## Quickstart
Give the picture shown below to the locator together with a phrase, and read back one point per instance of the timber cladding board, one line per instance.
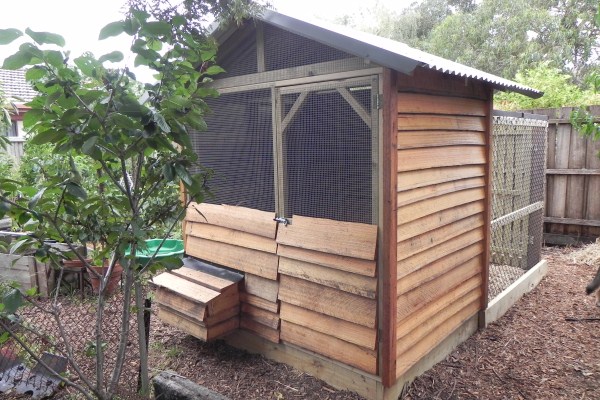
(434, 157)
(424, 177)
(195, 328)
(259, 329)
(414, 103)
(430, 222)
(185, 288)
(419, 243)
(416, 139)
(239, 258)
(427, 122)
(261, 287)
(342, 263)
(342, 280)
(328, 236)
(237, 218)
(210, 281)
(412, 196)
(439, 267)
(424, 346)
(343, 330)
(230, 236)
(259, 302)
(329, 301)
(429, 206)
(420, 260)
(260, 316)
(429, 291)
(424, 80)
(329, 346)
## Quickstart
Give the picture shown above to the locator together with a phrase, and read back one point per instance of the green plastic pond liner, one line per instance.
(170, 247)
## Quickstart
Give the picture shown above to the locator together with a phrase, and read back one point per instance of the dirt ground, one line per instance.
(546, 347)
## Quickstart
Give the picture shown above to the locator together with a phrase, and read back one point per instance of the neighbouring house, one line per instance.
(352, 193)
(18, 91)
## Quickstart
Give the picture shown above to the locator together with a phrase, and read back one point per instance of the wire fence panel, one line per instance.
(518, 184)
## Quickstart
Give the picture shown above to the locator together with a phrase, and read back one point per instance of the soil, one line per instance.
(543, 348)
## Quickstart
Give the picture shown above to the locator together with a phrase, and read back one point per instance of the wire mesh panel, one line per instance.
(518, 171)
(328, 151)
(238, 147)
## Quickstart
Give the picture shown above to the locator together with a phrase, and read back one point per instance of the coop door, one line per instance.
(326, 150)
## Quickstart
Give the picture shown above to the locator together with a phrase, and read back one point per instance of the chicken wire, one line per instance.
(518, 183)
(61, 331)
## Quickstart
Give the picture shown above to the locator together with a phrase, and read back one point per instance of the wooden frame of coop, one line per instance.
(368, 274)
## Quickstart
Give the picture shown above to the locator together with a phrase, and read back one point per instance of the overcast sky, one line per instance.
(79, 21)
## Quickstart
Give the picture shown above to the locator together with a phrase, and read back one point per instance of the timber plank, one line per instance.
(419, 350)
(434, 157)
(259, 329)
(428, 292)
(338, 328)
(557, 198)
(221, 316)
(238, 218)
(202, 278)
(423, 122)
(169, 298)
(418, 261)
(195, 328)
(261, 316)
(261, 287)
(185, 288)
(328, 236)
(332, 302)
(425, 80)
(431, 176)
(434, 237)
(439, 267)
(259, 302)
(412, 196)
(348, 353)
(440, 218)
(347, 282)
(429, 206)
(231, 236)
(409, 324)
(414, 103)
(342, 263)
(406, 342)
(416, 139)
(239, 258)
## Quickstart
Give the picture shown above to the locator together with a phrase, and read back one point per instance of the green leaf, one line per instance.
(32, 117)
(9, 35)
(34, 200)
(45, 37)
(183, 174)
(76, 190)
(171, 263)
(214, 70)
(157, 28)
(18, 60)
(161, 122)
(111, 29)
(87, 65)
(113, 56)
(46, 136)
(36, 72)
(54, 58)
(12, 300)
(89, 144)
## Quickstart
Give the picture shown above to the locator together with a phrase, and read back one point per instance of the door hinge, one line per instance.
(378, 101)
(282, 220)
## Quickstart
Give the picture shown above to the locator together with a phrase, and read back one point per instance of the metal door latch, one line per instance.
(282, 220)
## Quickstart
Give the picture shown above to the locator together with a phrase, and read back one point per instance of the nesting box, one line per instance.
(351, 189)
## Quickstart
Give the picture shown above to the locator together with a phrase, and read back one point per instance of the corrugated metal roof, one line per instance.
(15, 87)
(386, 52)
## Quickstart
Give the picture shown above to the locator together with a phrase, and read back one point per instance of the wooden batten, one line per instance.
(329, 346)
(342, 263)
(332, 237)
(336, 303)
(237, 218)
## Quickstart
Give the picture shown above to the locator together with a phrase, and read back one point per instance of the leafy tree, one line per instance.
(558, 87)
(137, 146)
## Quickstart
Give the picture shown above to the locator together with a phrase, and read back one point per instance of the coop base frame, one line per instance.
(342, 376)
(505, 300)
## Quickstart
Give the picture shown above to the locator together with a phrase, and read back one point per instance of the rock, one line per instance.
(170, 386)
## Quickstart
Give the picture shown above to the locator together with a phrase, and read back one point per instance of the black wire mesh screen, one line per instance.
(518, 178)
(237, 55)
(328, 152)
(238, 147)
(284, 49)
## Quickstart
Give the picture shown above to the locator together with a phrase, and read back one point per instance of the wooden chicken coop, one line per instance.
(352, 193)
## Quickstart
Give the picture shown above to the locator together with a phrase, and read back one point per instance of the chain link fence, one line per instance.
(518, 184)
(60, 331)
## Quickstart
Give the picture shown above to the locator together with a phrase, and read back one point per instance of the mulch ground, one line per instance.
(546, 347)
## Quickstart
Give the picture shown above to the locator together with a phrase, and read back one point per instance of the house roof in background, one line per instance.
(386, 52)
(14, 86)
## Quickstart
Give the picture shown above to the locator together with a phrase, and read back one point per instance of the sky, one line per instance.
(80, 21)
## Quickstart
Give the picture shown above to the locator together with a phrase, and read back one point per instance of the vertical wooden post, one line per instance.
(388, 224)
(487, 214)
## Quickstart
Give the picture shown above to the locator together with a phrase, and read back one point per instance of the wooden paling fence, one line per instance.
(573, 181)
